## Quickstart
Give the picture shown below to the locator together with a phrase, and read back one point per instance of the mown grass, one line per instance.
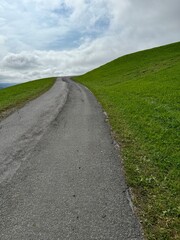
(140, 93)
(18, 95)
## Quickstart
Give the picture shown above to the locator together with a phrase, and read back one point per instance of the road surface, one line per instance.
(68, 182)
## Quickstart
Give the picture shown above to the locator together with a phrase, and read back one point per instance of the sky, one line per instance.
(42, 38)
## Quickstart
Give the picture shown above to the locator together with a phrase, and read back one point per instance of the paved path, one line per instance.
(20, 132)
(71, 185)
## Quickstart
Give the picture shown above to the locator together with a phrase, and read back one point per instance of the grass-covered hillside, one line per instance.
(16, 96)
(141, 94)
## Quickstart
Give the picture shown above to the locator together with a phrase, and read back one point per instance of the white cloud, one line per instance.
(41, 38)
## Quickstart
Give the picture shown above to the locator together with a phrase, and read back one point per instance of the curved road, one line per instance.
(70, 184)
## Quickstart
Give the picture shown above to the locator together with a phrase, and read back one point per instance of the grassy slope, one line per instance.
(18, 95)
(140, 93)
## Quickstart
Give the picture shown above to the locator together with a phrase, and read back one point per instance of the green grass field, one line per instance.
(141, 94)
(18, 95)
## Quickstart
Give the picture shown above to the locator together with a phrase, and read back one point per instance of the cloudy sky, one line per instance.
(40, 38)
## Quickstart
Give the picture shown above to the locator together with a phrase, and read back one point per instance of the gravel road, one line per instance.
(60, 174)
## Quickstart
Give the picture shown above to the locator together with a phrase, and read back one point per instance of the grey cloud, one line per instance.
(21, 61)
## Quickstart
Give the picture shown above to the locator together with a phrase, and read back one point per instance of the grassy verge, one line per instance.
(140, 93)
(16, 96)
